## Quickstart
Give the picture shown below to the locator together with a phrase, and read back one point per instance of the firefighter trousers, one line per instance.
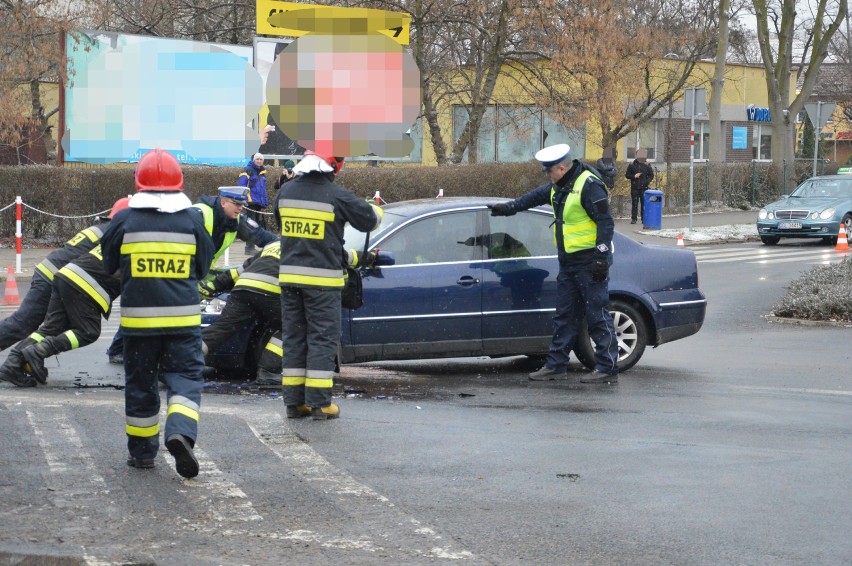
(242, 307)
(309, 340)
(30, 313)
(177, 362)
(73, 320)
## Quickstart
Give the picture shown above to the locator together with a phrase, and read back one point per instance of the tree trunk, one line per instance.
(717, 84)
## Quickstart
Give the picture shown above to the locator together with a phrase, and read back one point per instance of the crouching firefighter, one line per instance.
(256, 296)
(82, 292)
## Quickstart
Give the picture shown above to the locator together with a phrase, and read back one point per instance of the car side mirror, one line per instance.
(384, 258)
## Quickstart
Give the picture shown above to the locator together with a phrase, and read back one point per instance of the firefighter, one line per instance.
(312, 212)
(256, 296)
(224, 222)
(82, 291)
(163, 250)
(33, 309)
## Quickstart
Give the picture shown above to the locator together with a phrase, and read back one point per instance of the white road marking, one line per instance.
(274, 432)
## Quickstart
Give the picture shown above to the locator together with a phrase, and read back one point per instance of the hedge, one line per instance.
(62, 192)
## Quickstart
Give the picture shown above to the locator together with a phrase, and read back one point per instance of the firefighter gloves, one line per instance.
(207, 289)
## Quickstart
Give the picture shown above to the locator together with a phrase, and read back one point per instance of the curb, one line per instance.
(807, 322)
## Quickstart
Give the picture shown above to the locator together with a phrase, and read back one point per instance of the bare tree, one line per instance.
(620, 62)
(199, 20)
(776, 27)
(717, 84)
(31, 56)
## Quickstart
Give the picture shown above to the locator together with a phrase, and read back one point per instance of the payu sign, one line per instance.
(755, 114)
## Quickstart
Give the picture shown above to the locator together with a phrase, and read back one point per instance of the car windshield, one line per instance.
(827, 188)
(353, 239)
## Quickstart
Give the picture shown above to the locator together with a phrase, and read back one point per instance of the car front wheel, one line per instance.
(631, 331)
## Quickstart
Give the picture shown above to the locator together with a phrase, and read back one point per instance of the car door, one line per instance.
(518, 283)
(427, 304)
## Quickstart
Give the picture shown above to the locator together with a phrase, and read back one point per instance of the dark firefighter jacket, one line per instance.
(83, 241)
(162, 257)
(88, 275)
(312, 212)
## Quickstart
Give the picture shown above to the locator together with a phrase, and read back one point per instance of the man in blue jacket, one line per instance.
(254, 177)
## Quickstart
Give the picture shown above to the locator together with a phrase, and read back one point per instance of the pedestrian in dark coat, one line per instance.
(640, 175)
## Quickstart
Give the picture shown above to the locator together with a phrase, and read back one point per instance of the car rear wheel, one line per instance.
(770, 240)
(632, 333)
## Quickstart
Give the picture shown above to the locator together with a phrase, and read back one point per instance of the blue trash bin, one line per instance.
(652, 216)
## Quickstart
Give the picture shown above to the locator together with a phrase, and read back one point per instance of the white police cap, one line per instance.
(553, 154)
(239, 194)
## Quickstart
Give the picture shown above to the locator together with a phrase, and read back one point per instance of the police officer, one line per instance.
(312, 212)
(224, 223)
(33, 309)
(82, 291)
(162, 248)
(256, 296)
(582, 233)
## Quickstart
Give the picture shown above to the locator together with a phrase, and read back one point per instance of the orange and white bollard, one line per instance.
(680, 243)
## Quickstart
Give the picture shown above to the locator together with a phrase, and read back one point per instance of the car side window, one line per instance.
(527, 234)
(437, 239)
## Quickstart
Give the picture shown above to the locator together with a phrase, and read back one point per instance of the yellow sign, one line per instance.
(289, 19)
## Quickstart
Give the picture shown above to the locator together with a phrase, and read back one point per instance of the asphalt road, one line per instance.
(731, 447)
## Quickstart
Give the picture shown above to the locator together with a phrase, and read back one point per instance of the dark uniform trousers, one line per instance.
(309, 340)
(30, 313)
(176, 360)
(576, 293)
(73, 320)
(243, 306)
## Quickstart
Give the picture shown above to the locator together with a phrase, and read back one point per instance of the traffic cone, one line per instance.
(842, 242)
(680, 241)
(10, 295)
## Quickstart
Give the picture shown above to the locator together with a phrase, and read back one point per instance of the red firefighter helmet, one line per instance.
(334, 162)
(158, 170)
(119, 205)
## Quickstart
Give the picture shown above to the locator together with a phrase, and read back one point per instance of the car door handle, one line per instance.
(467, 281)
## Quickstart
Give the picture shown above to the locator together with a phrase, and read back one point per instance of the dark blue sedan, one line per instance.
(453, 281)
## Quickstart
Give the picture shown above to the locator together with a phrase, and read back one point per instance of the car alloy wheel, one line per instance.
(632, 333)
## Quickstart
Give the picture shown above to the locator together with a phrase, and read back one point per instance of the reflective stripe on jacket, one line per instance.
(312, 212)
(162, 257)
(83, 241)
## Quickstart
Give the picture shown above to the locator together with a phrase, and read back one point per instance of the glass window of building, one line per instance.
(645, 137)
(513, 133)
(761, 142)
(702, 141)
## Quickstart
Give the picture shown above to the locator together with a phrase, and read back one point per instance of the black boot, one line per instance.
(35, 355)
(13, 370)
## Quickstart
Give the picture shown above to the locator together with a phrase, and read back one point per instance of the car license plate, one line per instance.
(790, 225)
